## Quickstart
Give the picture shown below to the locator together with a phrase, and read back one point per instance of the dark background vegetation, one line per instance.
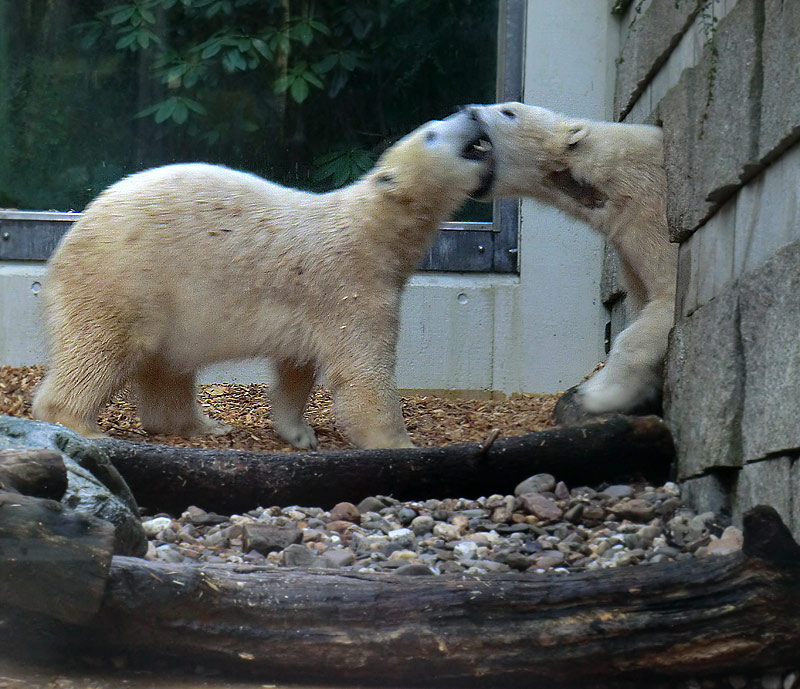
(304, 92)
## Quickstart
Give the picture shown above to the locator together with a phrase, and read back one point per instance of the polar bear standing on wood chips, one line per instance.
(184, 265)
(610, 175)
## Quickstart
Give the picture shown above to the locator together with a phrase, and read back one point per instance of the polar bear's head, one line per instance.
(444, 160)
(538, 152)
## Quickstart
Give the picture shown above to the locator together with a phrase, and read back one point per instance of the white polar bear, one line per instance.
(184, 265)
(610, 175)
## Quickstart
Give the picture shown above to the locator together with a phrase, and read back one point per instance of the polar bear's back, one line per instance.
(183, 248)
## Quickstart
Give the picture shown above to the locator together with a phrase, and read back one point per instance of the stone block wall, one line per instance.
(722, 78)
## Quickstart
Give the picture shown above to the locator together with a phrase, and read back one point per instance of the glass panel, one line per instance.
(303, 92)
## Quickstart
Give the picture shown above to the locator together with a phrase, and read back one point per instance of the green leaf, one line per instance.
(312, 79)
(327, 63)
(147, 15)
(122, 15)
(283, 83)
(303, 33)
(348, 60)
(262, 48)
(165, 110)
(299, 90)
(194, 106)
(211, 49)
(180, 112)
(127, 41)
(319, 26)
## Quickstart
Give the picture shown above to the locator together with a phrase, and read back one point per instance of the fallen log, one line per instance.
(52, 560)
(169, 479)
(39, 473)
(630, 627)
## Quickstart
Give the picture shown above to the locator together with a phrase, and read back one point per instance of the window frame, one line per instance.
(483, 247)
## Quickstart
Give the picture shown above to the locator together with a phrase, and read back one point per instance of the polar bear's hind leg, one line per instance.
(166, 399)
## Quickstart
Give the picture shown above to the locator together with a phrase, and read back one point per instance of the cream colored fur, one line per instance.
(611, 176)
(180, 266)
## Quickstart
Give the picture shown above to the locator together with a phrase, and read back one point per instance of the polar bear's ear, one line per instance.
(576, 133)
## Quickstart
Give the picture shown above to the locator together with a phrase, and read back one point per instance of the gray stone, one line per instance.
(94, 486)
(765, 483)
(708, 153)
(268, 538)
(414, 570)
(422, 524)
(336, 558)
(345, 511)
(651, 36)
(541, 507)
(709, 493)
(704, 385)
(780, 111)
(618, 491)
(297, 555)
(770, 311)
(539, 483)
(370, 504)
(635, 510)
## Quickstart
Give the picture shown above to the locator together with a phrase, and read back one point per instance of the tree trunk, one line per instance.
(52, 560)
(631, 627)
(169, 479)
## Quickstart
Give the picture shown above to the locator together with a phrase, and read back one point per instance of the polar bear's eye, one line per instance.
(430, 137)
(510, 114)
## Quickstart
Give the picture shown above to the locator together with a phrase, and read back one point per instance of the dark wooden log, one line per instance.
(169, 479)
(632, 627)
(39, 473)
(52, 560)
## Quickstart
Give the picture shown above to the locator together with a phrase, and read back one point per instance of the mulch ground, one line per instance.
(431, 420)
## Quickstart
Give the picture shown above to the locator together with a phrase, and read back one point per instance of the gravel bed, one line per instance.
(544, 526)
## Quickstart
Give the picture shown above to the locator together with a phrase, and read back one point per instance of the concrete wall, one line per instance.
(541, 331)
(722, 77)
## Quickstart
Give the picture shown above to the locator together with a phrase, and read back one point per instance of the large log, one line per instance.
(169, 479)
(52, 560)
(641, 626)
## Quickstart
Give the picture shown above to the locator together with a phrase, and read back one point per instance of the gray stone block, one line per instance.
(780, 107)
(710, 493)
(769, 304)
(711, 122)
(703, 387)
(647, 43)
(794, 479)
(765, 483)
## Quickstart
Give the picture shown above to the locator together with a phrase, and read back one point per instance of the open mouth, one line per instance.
(480, 148)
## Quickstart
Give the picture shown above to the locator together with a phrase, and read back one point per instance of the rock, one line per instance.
(737, 681)
(266, 538)
(154, 527)
(370, 504)
(618, 492)
(168, 553)
(538, 483)
(406, 515)
(446, 531)
(297, 555)
(791, 680)
(574, 513)
(547, 559)
(518, 561)
(345, 511)
(94, 486)
(414, 570)
(561, 491)
(465, 550)
(541, 507)
(771, 680)
(422, 524)
(336, 558)
(731, 541)
(636, 510)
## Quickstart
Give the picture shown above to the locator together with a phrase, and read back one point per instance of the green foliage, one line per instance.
(305, 92)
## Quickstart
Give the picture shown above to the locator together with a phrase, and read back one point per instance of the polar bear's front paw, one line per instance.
(300, 435)
(586, 402)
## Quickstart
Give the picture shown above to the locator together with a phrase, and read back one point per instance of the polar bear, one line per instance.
(180, 266)
(611, 176)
